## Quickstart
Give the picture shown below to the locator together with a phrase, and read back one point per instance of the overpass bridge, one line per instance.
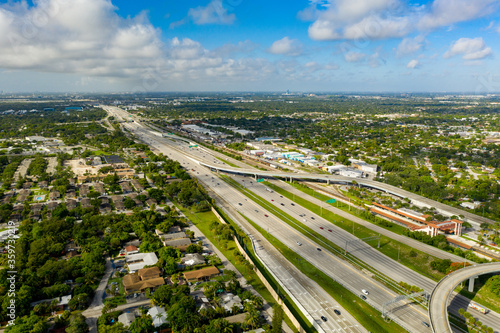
(416, 199)
(438, 303)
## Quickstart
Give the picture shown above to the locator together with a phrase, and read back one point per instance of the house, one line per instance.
(84, 191)
(52, 205)
(43, 184)
(203, 274)
(228, 301)
(133, 283)
(192, 259)
(86, 203)
(126, 318)
(27, 185)
(119, 206)
(172, 236)
(23, 195)
(98, 187)
(139, 260)
(105, 208)
(71, 194)
(131, 249)
(150, 202)
(71, 204)
(149, 273)
(62, 302)
(137, 185)
(159, 315)
(54, 195)
(126, 188)
(181, 243)
(15, 217)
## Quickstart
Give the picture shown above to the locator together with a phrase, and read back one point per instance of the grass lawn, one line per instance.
(228, 248)
(412, 258)
(366, 315)
(482, 294)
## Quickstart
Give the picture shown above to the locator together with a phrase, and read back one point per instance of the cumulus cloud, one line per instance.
(213, 13)
(449, 12)
(413, 64)
(286, 46)
(409, 46)
(354, 56)
(383, 19)
(469, 49)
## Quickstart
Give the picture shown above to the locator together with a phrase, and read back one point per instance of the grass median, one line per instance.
(366, 315)
(408, 256)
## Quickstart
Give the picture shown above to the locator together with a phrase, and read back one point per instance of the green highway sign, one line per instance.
(330, 201)
(260, 180)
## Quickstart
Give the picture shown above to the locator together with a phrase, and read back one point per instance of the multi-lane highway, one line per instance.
(410, 316)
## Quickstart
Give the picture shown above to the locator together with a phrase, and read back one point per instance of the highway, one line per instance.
(438, 305)
(410, 316)
(311, 296)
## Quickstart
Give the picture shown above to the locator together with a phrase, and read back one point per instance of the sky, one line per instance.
(250, 45)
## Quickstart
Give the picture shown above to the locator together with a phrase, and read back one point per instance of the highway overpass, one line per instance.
(438, 303)
(334, 179)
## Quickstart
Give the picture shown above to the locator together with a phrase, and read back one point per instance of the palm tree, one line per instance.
(252, 319)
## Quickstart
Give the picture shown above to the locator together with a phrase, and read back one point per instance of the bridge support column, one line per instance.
(328, 182)
(471, 283)
(255, 176)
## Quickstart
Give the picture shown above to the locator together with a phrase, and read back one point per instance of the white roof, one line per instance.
(159, 315)
(126, 318)
(139, 260)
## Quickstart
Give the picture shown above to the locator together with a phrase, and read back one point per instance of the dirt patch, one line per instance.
(23, 168)
(51, 167)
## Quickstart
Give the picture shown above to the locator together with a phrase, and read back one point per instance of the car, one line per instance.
(321, 228)
(363, 297)
(256, 211)
(282, 204)
(318, 249)
(299, 243)
(272, 199)
(337, 312)
(266, 215)
(281, 196)
(239, 203)
(364, 291)
(330, 230)
(323, 318)
(426, 324)
(312, 217)
(292, 204)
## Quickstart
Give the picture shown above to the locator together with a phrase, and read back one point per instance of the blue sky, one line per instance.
(243, 45)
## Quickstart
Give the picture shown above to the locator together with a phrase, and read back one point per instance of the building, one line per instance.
(86, 203)
(350, 172)
(159, 315)
(228, 301)
(181, 243)
(174, 235)
(192, 259)
(137, 185)
(139, 260)
(126, 318)
(126, 188)
(132, 283)
(54, 195)
(203, 274)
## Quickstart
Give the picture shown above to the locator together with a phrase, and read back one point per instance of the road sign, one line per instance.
(260, 180)
(330, 201)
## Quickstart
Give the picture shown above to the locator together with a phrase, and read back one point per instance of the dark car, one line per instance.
(318, 249)
(337, 312)
(282, 204)
(323, 318)
(426, 324)
(312, 217)
(292, 204)
(330, 230)
(362, 297)
(239, 203)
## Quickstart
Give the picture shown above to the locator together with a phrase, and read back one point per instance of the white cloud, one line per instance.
(383, 19)
(286, 46)
(469, 48)
(213, 13)
(448, 12)
(409, 46)
(353, 56)
(413, 64)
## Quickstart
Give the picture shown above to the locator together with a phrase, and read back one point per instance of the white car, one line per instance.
(299, 243)
(364, 291)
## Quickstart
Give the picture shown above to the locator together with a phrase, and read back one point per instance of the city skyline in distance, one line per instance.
(238, 45)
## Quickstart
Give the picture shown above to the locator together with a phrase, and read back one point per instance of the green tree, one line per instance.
(77, 324)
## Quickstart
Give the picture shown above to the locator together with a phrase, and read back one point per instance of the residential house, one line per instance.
(52, 205)
(181, 243)
(27, 185)
(134, 284)
(126, 188)
(22, 196)
(54, 195)
(126, 318)
(139, 260)
(150, 202)
(84, 191)
(159, 315)
(62, 302)
(71, 194)
(119, 206)
(131, 249)
(43, 184)
(99, 187)
(172, 236)
(192, 259)
(137, 185)
(71, 204)
(228, 301)
(86, 203)
(203, 274)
